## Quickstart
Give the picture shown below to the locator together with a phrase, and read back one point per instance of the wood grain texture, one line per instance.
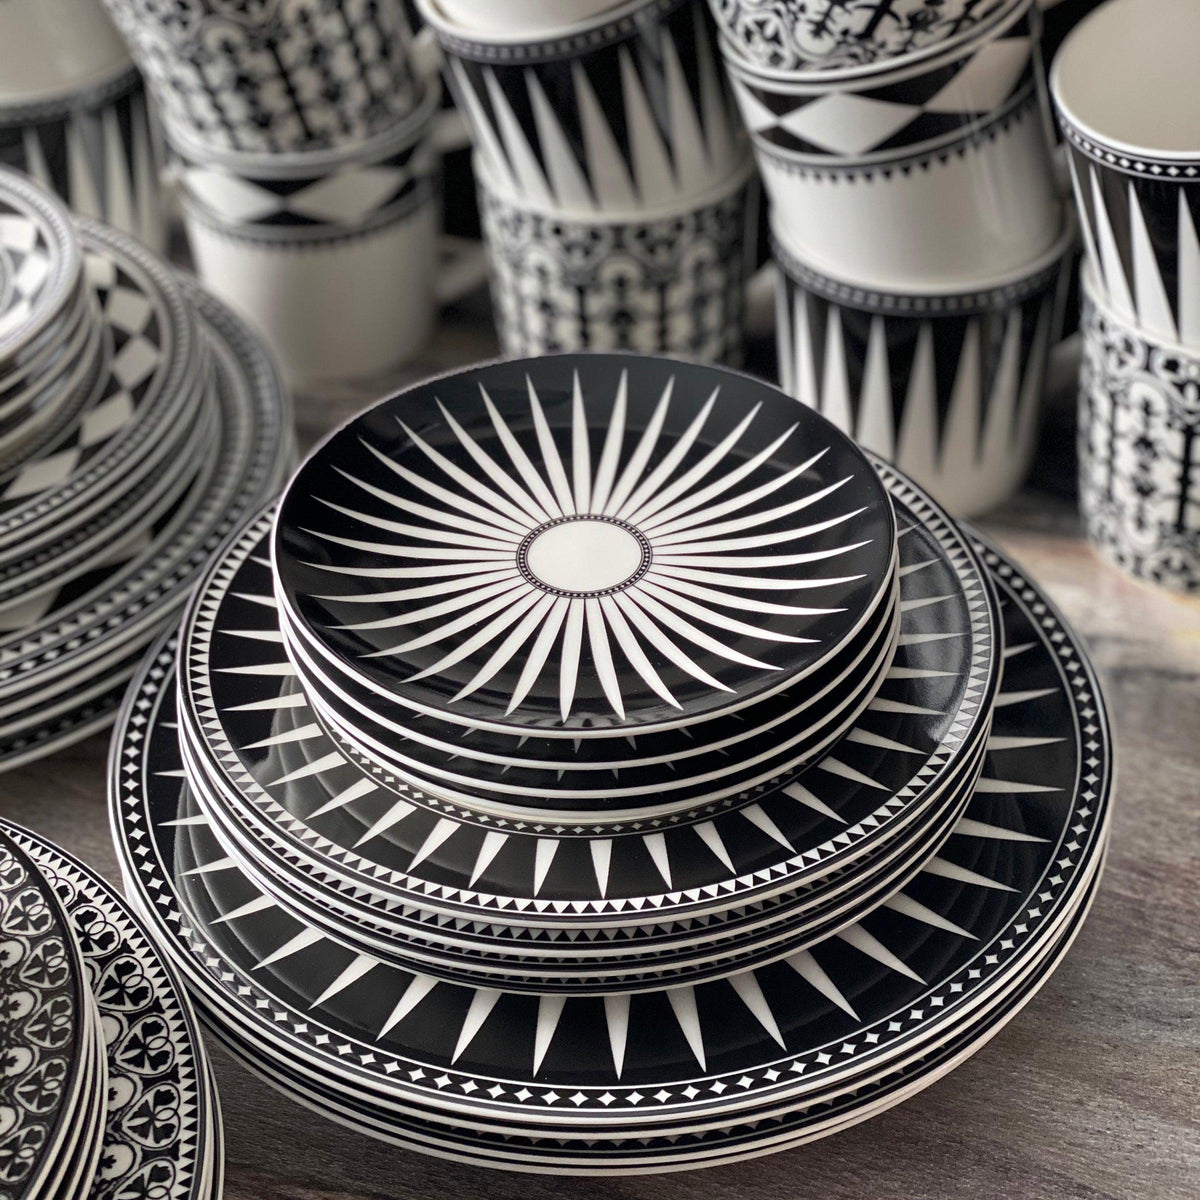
(1092, 1092)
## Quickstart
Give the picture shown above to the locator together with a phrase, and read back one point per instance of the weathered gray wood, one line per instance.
(1093, 1091)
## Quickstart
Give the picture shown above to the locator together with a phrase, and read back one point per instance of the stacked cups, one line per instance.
(305, 132)
(616, 189)
(73, 114)
(1134, 154)
(916, 224)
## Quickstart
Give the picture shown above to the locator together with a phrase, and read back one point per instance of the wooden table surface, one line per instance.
(1093, 1091)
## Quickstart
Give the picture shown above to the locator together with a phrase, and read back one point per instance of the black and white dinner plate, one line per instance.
(1016, 867)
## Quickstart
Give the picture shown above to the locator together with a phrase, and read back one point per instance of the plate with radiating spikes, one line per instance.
(901, 980)
(375, 847)
(583, 546)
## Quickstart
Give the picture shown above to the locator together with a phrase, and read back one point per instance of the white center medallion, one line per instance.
(584, 557)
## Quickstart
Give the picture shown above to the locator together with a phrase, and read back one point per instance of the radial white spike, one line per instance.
(988, 785)
(441, 830)
(998, 743)
(750, 992)
(908, 907)
(683, 1004)
(616, 1017)
(218, 864)
(358, 789)
(257, 905)
(968, 827)
(709, 835)
(601, 849)
(286, 700)
(656, 845)
(302, 734)
(798, 791)
(757, 816)
(543, 856)
(864, 737)
(355, 970)
(581, 455)
(1008, 699)
(493, 843)
(482, 1003)
(294, 945)
(550, 455)
(549, 1010)
(393, 816)
(418, 988)
(949, 870)
(835, 766)
(606, 469)
(868, 944)
(814, 974)
(637, 461)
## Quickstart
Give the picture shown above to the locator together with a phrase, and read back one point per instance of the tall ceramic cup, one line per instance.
(1126, 85)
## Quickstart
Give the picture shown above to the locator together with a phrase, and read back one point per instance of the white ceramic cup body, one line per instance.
(330, 310)
(831, 35)
(629, 111)
(947, 385)
(1134, 155)
(669, 283)
(935, 173)
(331, 255)
(529, 17)
(1139, 441)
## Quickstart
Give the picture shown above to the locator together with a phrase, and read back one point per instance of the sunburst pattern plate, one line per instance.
(583, 545)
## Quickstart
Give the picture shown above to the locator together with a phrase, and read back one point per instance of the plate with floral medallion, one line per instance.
(160, 1132)
(1017, 864)
(583, 545)
(46, 1028)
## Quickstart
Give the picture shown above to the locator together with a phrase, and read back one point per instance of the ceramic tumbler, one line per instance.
(1127, 92)
(944, 383)
(629, 111)
(277, 75)
(531, 17)
(1139, 446)
(935, 174)
(98, 148)
(827, 35)
(669, 282)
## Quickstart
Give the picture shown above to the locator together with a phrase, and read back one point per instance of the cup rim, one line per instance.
(410, 129)
(869, 74)
(1078, 125)
(433, 16)
(1057, 251)
(742, 174)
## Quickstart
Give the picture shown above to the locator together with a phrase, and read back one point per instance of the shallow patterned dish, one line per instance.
(583, 545)
(160, 1130)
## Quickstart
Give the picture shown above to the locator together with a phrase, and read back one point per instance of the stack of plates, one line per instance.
(106, 1089)
(476, 955)
(148, 423)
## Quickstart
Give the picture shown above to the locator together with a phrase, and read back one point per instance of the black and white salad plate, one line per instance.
(39, 267)
(162, 1137)
(582, 546)
(153, 379)
(67, 653)
(901, 982)
(337, 838)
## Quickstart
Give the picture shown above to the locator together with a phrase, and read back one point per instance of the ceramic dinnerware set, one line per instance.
(305, 132)
(917, 228)
(73, 114)
(616, 188)
(597, 763)
(139, 423)
(1136, 174)
(106, 1090)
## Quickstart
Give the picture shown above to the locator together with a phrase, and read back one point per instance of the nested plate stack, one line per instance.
(106, 1089)
(598, 763)
(139, 423)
